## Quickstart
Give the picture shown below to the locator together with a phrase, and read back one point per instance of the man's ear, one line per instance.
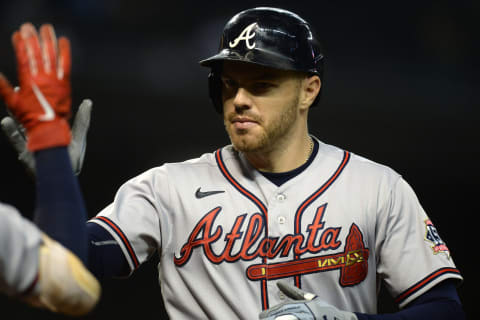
(310, 89)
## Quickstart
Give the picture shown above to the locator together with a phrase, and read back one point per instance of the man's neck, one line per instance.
(286, 155)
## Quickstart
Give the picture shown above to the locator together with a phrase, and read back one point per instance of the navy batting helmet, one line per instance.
(269, 37)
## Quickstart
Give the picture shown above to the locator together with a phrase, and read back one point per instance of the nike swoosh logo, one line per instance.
(202, 194)
(49, 113)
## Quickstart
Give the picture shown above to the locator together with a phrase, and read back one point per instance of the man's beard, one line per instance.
(269, 136)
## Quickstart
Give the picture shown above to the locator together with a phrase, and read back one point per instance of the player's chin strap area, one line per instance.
(64, 284)
(306, 306)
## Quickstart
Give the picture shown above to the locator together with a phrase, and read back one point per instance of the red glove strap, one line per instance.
(49, 134)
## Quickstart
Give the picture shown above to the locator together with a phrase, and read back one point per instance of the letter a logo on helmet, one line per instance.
(246, 35)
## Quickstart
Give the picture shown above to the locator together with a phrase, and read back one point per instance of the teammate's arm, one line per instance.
(19, 243)
(42, 106)
(33, 266)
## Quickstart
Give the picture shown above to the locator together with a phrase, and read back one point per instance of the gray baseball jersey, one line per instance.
(225, 234)
(19, 243)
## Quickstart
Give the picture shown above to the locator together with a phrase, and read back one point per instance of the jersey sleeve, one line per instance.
(411, 256)
(20, 241)
(137, 217)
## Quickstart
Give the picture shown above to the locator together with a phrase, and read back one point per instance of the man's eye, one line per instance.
(262, 86)
(227, 83)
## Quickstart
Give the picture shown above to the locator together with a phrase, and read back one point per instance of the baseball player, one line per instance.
(45, 266)
(277, 225)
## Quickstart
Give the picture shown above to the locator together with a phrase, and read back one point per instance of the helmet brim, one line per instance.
(262, 57)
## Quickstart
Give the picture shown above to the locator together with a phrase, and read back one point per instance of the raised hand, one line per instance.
(42, 102)
(77, 148)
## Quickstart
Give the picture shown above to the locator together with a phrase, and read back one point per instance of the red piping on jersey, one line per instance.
(314, 196)
(422, 283)
(258, 203)
(31, 286)
(244, 191)
(124, 239)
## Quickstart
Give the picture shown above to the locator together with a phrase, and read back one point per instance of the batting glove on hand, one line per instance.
(42, 102)
(76, 149)
(306, 306)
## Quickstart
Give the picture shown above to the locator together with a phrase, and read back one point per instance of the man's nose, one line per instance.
(242, 100)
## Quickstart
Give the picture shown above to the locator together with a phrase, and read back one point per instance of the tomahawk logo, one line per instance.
(246, 35)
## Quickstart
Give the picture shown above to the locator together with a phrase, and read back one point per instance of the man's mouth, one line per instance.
(243, 123)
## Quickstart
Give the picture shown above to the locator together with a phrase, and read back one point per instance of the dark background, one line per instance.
(400, 88)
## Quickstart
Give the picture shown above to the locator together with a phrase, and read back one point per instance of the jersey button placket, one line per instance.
(281, 197)
(277, 228)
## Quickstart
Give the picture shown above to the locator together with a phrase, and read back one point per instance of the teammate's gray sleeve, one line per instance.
(411, 257)
(19, 243)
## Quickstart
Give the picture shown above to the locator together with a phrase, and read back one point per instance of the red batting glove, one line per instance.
(42, 103)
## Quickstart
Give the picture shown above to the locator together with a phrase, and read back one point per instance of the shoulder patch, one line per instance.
(432, 236)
